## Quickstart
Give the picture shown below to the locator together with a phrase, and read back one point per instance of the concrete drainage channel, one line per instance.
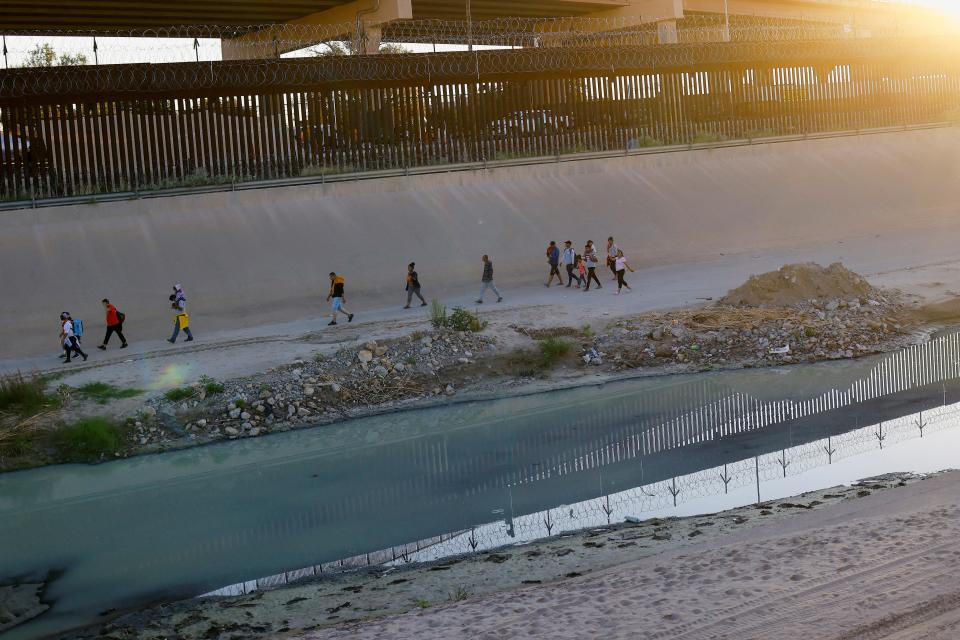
(451, 168)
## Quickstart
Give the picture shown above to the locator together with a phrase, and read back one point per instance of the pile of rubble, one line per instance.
(371, 376)
(754, 333)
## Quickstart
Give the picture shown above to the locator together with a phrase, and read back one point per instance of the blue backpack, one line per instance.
(78, 328)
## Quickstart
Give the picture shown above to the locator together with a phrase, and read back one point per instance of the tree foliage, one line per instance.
(44, 55)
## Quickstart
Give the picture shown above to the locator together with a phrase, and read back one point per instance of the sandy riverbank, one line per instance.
(880, 566)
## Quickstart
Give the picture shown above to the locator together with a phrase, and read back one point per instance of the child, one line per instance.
(581, 269)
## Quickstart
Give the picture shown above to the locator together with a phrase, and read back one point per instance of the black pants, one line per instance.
(114, 329)
(73, 346)
(571, 277)
(555, 271)
(592, 275)
(621, 283)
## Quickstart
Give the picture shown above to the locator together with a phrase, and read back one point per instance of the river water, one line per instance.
(180, 524)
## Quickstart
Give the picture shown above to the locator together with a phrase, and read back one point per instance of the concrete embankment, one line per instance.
(261, 256)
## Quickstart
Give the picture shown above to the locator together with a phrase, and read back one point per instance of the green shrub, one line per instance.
(211, 386)
(438, 314)
(587, 331)
(24, 396)
(89, 440)
(178, 394)
(553, 349)
(102, 393)
(463, 320)
(810, 332)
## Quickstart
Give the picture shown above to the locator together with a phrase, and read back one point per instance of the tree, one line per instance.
(44, 55)
(335, 48)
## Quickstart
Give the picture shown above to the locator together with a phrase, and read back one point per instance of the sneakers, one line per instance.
(616, 293)
(84, 357)
(423, 304)
(124, 345)
(189, 340)
(500, 299)
(479, 301)
(407, 307)
(350, 318)
(171, 341)
(547, 285)
(102, 347)
(331, 323)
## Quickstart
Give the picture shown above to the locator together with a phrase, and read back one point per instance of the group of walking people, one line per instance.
(582, 267)
(71, 330)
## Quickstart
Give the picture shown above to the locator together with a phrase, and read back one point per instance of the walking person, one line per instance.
(486, 281)
(581, 270)
(612, 250)
(114, 325)
(337, 284)
(413, 286)
(68, 338)
(590, 257)
(181, 320)
(570, 263)
(553, 259)
(621, 266)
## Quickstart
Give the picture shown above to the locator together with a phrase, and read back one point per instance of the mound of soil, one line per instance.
(796, 283)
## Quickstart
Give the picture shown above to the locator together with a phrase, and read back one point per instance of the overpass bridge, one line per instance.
(372, 21)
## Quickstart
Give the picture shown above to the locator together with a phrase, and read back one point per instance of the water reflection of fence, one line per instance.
(712, 413)
(77, 131)
(660, 497)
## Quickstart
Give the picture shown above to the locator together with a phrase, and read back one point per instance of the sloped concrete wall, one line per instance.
(257, 256)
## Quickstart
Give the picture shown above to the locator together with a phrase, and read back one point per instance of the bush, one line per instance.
(463, 320)
(23, 396)
(553, 349)
(459, 320)
(102, 393)
(89, 440)
(176, 395)
(438, 314)
(703, 137)
(211, 386)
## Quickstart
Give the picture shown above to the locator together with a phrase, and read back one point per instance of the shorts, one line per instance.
(337, 304)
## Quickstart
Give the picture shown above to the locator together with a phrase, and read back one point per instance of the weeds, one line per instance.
(459, 595)
(423, 604)
(211, 386)
(438, 314)
(528, 364)
(411, 360)
(587, 331)
(90, 440)
(553, 349)
(459, 320)
(102, 393)
(24, 396)
(178, 394)
(703, 137)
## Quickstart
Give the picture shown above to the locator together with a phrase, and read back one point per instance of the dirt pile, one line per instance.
(796, 283)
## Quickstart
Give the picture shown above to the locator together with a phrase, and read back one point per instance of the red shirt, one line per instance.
(112, 318)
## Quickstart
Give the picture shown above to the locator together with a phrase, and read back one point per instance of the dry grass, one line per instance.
(722, 317)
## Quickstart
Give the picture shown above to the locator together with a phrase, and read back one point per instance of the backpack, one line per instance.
(121, 316)
(77, 327)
